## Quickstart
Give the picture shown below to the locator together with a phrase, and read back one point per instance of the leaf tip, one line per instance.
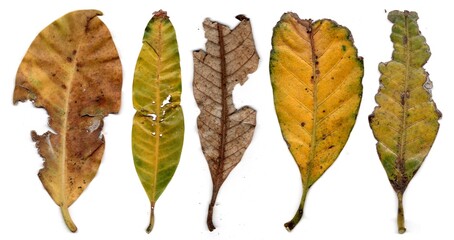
(161, 14)
(242, 17)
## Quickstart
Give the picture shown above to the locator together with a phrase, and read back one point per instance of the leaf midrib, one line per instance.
(315, 110)
(64, 130)
(224, 113)
(400, 161)
(157, 111)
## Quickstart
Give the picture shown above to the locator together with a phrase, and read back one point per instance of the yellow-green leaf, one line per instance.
(158, 127)
(316, 76)
(72, 70)
(405, 122)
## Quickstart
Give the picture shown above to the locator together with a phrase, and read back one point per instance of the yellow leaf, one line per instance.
(316, 77)
(71, 69)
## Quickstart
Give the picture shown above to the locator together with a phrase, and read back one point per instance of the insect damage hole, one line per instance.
(153, 116)
(428, 85)
(166, 101)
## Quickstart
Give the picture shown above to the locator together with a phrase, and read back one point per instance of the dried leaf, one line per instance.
(72, 70)
(405, 122)
(158, 127)
(316, 77)
(225, 132)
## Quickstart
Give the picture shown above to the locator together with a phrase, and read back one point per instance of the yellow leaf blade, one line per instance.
(71, 69)
(316, 77)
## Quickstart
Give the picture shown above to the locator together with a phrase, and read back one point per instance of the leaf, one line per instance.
(405, 122)
(158, 127)
(72, 70)
(316, 77)
(225, 132)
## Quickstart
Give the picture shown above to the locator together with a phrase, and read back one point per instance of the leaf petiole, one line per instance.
(67, 217)
(151, 225)
(299, 214)
(210, 224)
(400, 214)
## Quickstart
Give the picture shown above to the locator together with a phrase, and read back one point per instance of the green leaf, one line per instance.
(316, 77)
(405, 122)
(158, 127)
(71, 69)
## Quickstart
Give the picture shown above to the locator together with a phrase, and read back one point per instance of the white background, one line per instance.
(353, 200)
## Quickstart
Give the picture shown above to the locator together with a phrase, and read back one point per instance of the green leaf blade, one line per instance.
(158, 125)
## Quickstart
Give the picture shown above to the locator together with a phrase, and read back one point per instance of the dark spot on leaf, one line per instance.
(303, 124)
(330, 146)
(405, 40)
(344, 48)
(69, 59)
(63, 86)
(74, 52)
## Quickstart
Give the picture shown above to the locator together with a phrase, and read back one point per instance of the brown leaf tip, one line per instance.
(242, 17)
(161, 14)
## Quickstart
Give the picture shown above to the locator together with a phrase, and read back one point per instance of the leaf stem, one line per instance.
(151, 224)
(210, 224)
(299, 214)
(67, 217)
(400, 214)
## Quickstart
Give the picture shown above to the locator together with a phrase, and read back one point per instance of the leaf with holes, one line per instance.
(225, 132)
(158, 127)
(72, 70)
(405, 122)
(316, 76)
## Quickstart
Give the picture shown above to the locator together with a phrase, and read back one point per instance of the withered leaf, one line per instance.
(71, 69)
(316, 76)
(158, 127)
(405, 122)
(225, 132)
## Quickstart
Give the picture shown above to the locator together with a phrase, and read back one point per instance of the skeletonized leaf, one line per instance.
(405, 122)
(72, 70)
(158, 127)
(316, 77)
(225, 132)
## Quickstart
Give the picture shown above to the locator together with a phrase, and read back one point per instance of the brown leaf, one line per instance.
(71, 69)
(225, 132)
